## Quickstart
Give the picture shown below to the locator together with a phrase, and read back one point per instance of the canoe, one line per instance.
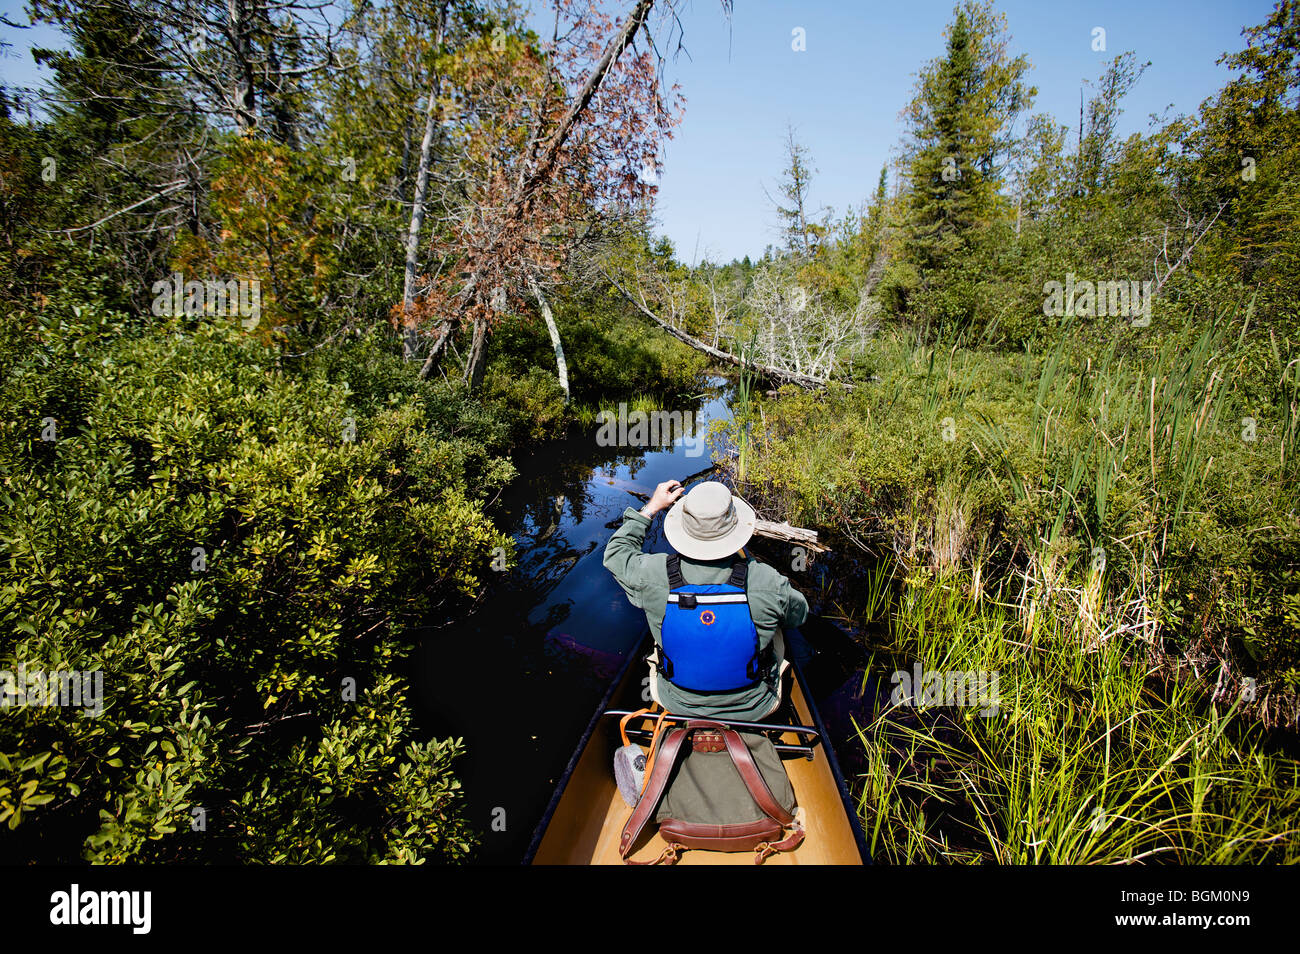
(586, 815)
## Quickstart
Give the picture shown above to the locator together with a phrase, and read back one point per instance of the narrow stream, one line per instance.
(520, 678)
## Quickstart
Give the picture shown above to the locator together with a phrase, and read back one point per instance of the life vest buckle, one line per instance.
(687, 600)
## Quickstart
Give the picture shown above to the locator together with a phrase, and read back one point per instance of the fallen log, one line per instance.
(763, 370)
(798, 536)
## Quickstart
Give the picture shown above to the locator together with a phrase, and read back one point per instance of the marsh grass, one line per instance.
(1091, 758)
(1111, 527)
(1138, 488)
(586, 416)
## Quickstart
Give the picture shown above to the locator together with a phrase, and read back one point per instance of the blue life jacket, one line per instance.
(709, 643)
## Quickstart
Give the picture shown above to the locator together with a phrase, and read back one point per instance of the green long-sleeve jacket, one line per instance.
(773, 604)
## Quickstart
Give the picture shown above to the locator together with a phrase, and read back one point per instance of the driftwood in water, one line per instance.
(798, 536)
(788, 534)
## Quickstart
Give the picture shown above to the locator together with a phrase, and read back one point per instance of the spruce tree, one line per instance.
(960, 132)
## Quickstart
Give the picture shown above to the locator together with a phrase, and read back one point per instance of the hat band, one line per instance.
(698, 529)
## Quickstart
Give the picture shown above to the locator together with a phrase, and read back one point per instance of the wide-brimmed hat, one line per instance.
(709, 523)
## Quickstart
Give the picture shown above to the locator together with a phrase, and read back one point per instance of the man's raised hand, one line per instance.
(665, 496)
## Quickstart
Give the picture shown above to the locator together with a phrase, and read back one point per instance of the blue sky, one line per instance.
(845, 92)
(743, 82)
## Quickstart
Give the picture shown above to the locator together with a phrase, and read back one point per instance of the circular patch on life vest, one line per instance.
(707, 617)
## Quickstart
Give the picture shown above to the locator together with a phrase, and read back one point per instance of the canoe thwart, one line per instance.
(643, 737)
(801, 748)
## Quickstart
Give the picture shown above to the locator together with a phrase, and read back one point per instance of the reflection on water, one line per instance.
(519, 678)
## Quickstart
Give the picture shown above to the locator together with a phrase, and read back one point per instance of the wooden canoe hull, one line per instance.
(586, 816)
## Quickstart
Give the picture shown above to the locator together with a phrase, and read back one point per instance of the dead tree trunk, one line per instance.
(243, 96)
(410, 338)
(523, 196)
(799, 536)
(562, 368)
(477, 355)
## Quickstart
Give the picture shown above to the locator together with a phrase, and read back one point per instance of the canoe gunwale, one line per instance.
(850, 810)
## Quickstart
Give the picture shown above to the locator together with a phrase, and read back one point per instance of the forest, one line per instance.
(287, 288)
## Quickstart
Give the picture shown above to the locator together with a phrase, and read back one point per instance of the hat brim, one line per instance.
(725, 546)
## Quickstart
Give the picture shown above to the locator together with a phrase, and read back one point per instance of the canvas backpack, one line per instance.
(714, 788)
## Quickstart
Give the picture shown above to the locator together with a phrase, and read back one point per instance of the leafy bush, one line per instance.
(237, 547)
(534, 401)
(899, 282)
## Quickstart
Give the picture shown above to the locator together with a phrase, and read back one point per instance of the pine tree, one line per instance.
(802, 227)
(960, 134)
(1239, 162)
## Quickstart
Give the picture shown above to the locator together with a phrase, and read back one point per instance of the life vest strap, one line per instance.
(692, 599)
(675, 580)
(739, 572)
(762, 665)
(665, 666)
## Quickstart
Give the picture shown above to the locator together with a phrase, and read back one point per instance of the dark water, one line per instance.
(519, 679)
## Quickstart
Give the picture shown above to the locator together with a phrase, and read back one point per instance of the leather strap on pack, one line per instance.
(768, 849)
(669, 856)
(656, 782)
(752, 777)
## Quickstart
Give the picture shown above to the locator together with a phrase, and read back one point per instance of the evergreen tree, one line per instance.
(960, 132)
(1237, 164)
(802, 227)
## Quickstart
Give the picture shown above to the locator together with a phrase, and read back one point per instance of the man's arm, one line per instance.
(796, 606)
(623, 556)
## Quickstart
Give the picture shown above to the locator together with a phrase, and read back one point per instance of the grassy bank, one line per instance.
(1093, 754)
(1107, 521)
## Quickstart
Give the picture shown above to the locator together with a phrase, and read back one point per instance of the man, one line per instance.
(716, 615)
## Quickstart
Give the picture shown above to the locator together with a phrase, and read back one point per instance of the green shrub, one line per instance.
(534, 401)
(897, 285)
(238, 547)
